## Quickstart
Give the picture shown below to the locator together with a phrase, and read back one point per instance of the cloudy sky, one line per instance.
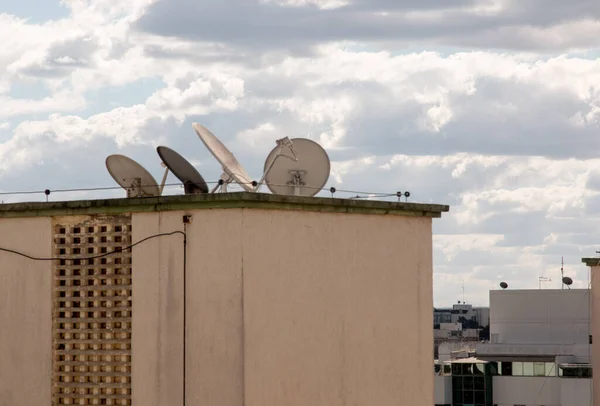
(490, 106)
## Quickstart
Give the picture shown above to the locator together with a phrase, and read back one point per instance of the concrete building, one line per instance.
(539, 353)
(450, 331)
(594, 265)
(460, 323)
(234, 299)
(462, 311)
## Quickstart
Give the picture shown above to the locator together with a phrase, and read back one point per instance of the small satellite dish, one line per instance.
(304, 174)
(503, 285)
(567, 281)
(131, 176)
(232, 170)
(193, 182)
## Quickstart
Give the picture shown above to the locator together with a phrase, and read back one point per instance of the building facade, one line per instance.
(234, 299)
(539, 353)
(594, 266)
(460, 312)
(460, 323)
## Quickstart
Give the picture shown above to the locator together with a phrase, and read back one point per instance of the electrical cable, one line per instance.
(119, 250)
(33, 258)
(47, 192)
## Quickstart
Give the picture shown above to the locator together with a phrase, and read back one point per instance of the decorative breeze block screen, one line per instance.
(92, 312)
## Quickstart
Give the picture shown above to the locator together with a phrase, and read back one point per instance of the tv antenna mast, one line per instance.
(562, 272)
(543, 279)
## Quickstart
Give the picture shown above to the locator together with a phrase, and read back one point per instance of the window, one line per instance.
(575, 371)
(472, 384)
(550, 369)
(517, 369)
(506, 368)
(539, 369)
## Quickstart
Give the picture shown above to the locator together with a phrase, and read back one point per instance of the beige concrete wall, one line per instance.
(285, 308)
(337, 309)
(25, 313)
(157, 316)
(214, 351)
(595, 280)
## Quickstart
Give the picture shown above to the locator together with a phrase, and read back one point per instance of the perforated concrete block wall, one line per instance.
(92, 311)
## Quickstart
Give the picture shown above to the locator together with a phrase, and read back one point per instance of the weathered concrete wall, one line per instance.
(323, 309)
(157, 317)
(595, 279)
(285, 307)
(214, 351)
(25, 313)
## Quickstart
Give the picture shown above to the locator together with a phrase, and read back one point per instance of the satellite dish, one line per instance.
(193, 182)
(304, 174)
(567, 281)
(131, 176)
(503, 285)
(232, 170)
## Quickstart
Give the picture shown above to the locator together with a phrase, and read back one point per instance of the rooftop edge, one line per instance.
(591, 261)
(220, 201)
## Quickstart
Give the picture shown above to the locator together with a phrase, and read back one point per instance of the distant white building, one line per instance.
(539, 354)
(460, 323)
(461, 311)
(449, 331)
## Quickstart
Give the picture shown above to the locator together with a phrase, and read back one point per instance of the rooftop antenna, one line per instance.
(503, 285)
(543, 279)
(232, 169)
(304, 172)
(562, 272)
(567, 281)
(164, 178)
(193, 182)
(463, 291)
(131, 176)
(306, 175)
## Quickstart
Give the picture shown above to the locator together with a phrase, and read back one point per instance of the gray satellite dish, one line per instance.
(503, 285)
(567, 281)
(193, 182)
(304, 174)
(232, 170)
(131, 176)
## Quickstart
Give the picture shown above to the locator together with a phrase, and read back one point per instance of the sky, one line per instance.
(489, 106)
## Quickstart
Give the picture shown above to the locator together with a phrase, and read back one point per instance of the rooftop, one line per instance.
(221, 201)
(591, 261)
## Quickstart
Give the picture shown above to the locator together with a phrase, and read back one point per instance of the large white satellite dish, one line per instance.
(306, 175)
(232, 169)
(132, 176)
(294, 167)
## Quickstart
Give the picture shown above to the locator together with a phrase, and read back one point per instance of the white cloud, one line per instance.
(508, 139)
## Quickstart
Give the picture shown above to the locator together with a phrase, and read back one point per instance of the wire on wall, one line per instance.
(118, 250)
